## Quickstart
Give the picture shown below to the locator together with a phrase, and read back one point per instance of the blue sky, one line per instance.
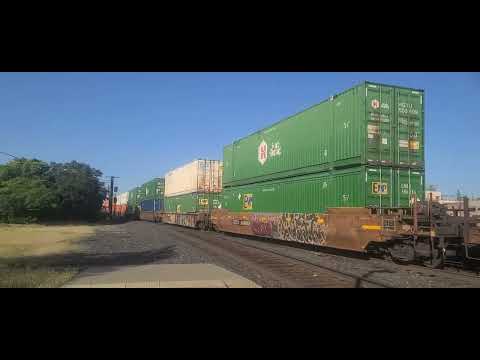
(139, 125)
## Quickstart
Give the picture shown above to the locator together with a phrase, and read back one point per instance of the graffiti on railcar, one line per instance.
(186, 220)
(305, 228)
(262, 225)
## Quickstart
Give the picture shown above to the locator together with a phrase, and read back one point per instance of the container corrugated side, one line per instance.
(147, 205)
(154, 188)
(159, 204)
(132, 197)
(410, 122)
(150, 205)
(363, 186)
(371, 123)
(193, 202)
(196, 176)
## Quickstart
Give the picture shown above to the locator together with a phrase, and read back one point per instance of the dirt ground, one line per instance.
(50, 256)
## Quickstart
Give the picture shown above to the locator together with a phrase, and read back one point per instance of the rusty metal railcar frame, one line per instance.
(425, 232)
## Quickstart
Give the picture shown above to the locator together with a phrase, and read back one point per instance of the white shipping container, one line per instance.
(122, 199)
(197, 176)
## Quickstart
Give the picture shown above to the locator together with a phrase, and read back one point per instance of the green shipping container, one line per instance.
(141, 191)
(362, 186)
(153, 189)
(193, 202)
(370, 124)
(132, 200)
(137, 196)
(131, 197)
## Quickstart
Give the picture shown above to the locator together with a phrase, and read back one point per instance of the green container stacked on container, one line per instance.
(362, 147)
(152, 192)
(153, 189)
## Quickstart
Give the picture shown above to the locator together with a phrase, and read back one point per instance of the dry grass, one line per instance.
(20, 245)
(43, 277)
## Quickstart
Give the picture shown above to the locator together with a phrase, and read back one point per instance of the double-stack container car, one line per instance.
(320, 175)
(192, 191)
(346, 173)
(151, 199)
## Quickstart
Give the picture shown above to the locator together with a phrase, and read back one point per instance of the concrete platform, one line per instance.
(161, 276)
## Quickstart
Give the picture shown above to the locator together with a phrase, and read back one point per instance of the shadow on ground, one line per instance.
(79, 259)
(358, 282)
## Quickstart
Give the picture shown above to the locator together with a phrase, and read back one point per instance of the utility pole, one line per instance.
(110, 198)
(110, 204)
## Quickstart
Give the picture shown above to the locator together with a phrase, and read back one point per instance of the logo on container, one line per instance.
(247, 201)
(275, 150)
(375, 104)
(262, 152)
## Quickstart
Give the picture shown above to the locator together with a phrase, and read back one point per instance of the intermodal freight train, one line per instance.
(347, 173)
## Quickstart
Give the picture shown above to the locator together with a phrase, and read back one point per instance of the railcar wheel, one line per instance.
(201, 225)
(438, 260)
(402, 253)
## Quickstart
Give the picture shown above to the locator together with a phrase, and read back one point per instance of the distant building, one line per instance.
(455, 204)
(452, 203)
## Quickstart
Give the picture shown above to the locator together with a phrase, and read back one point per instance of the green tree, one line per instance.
(78, 190)
(23, 168)
(33, 189)
(25, 193)
(24, 199)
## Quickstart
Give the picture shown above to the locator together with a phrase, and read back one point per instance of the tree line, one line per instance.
(32, 190)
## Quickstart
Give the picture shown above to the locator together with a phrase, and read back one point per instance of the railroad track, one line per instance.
(326, 275)
(359, 280)
(448, 269)
(290, 270)
(362, 281)
(451, 270)
(458, 272)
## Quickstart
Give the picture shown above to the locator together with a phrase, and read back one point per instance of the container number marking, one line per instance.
(407, 108)
(379, 188)
(414, 145)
